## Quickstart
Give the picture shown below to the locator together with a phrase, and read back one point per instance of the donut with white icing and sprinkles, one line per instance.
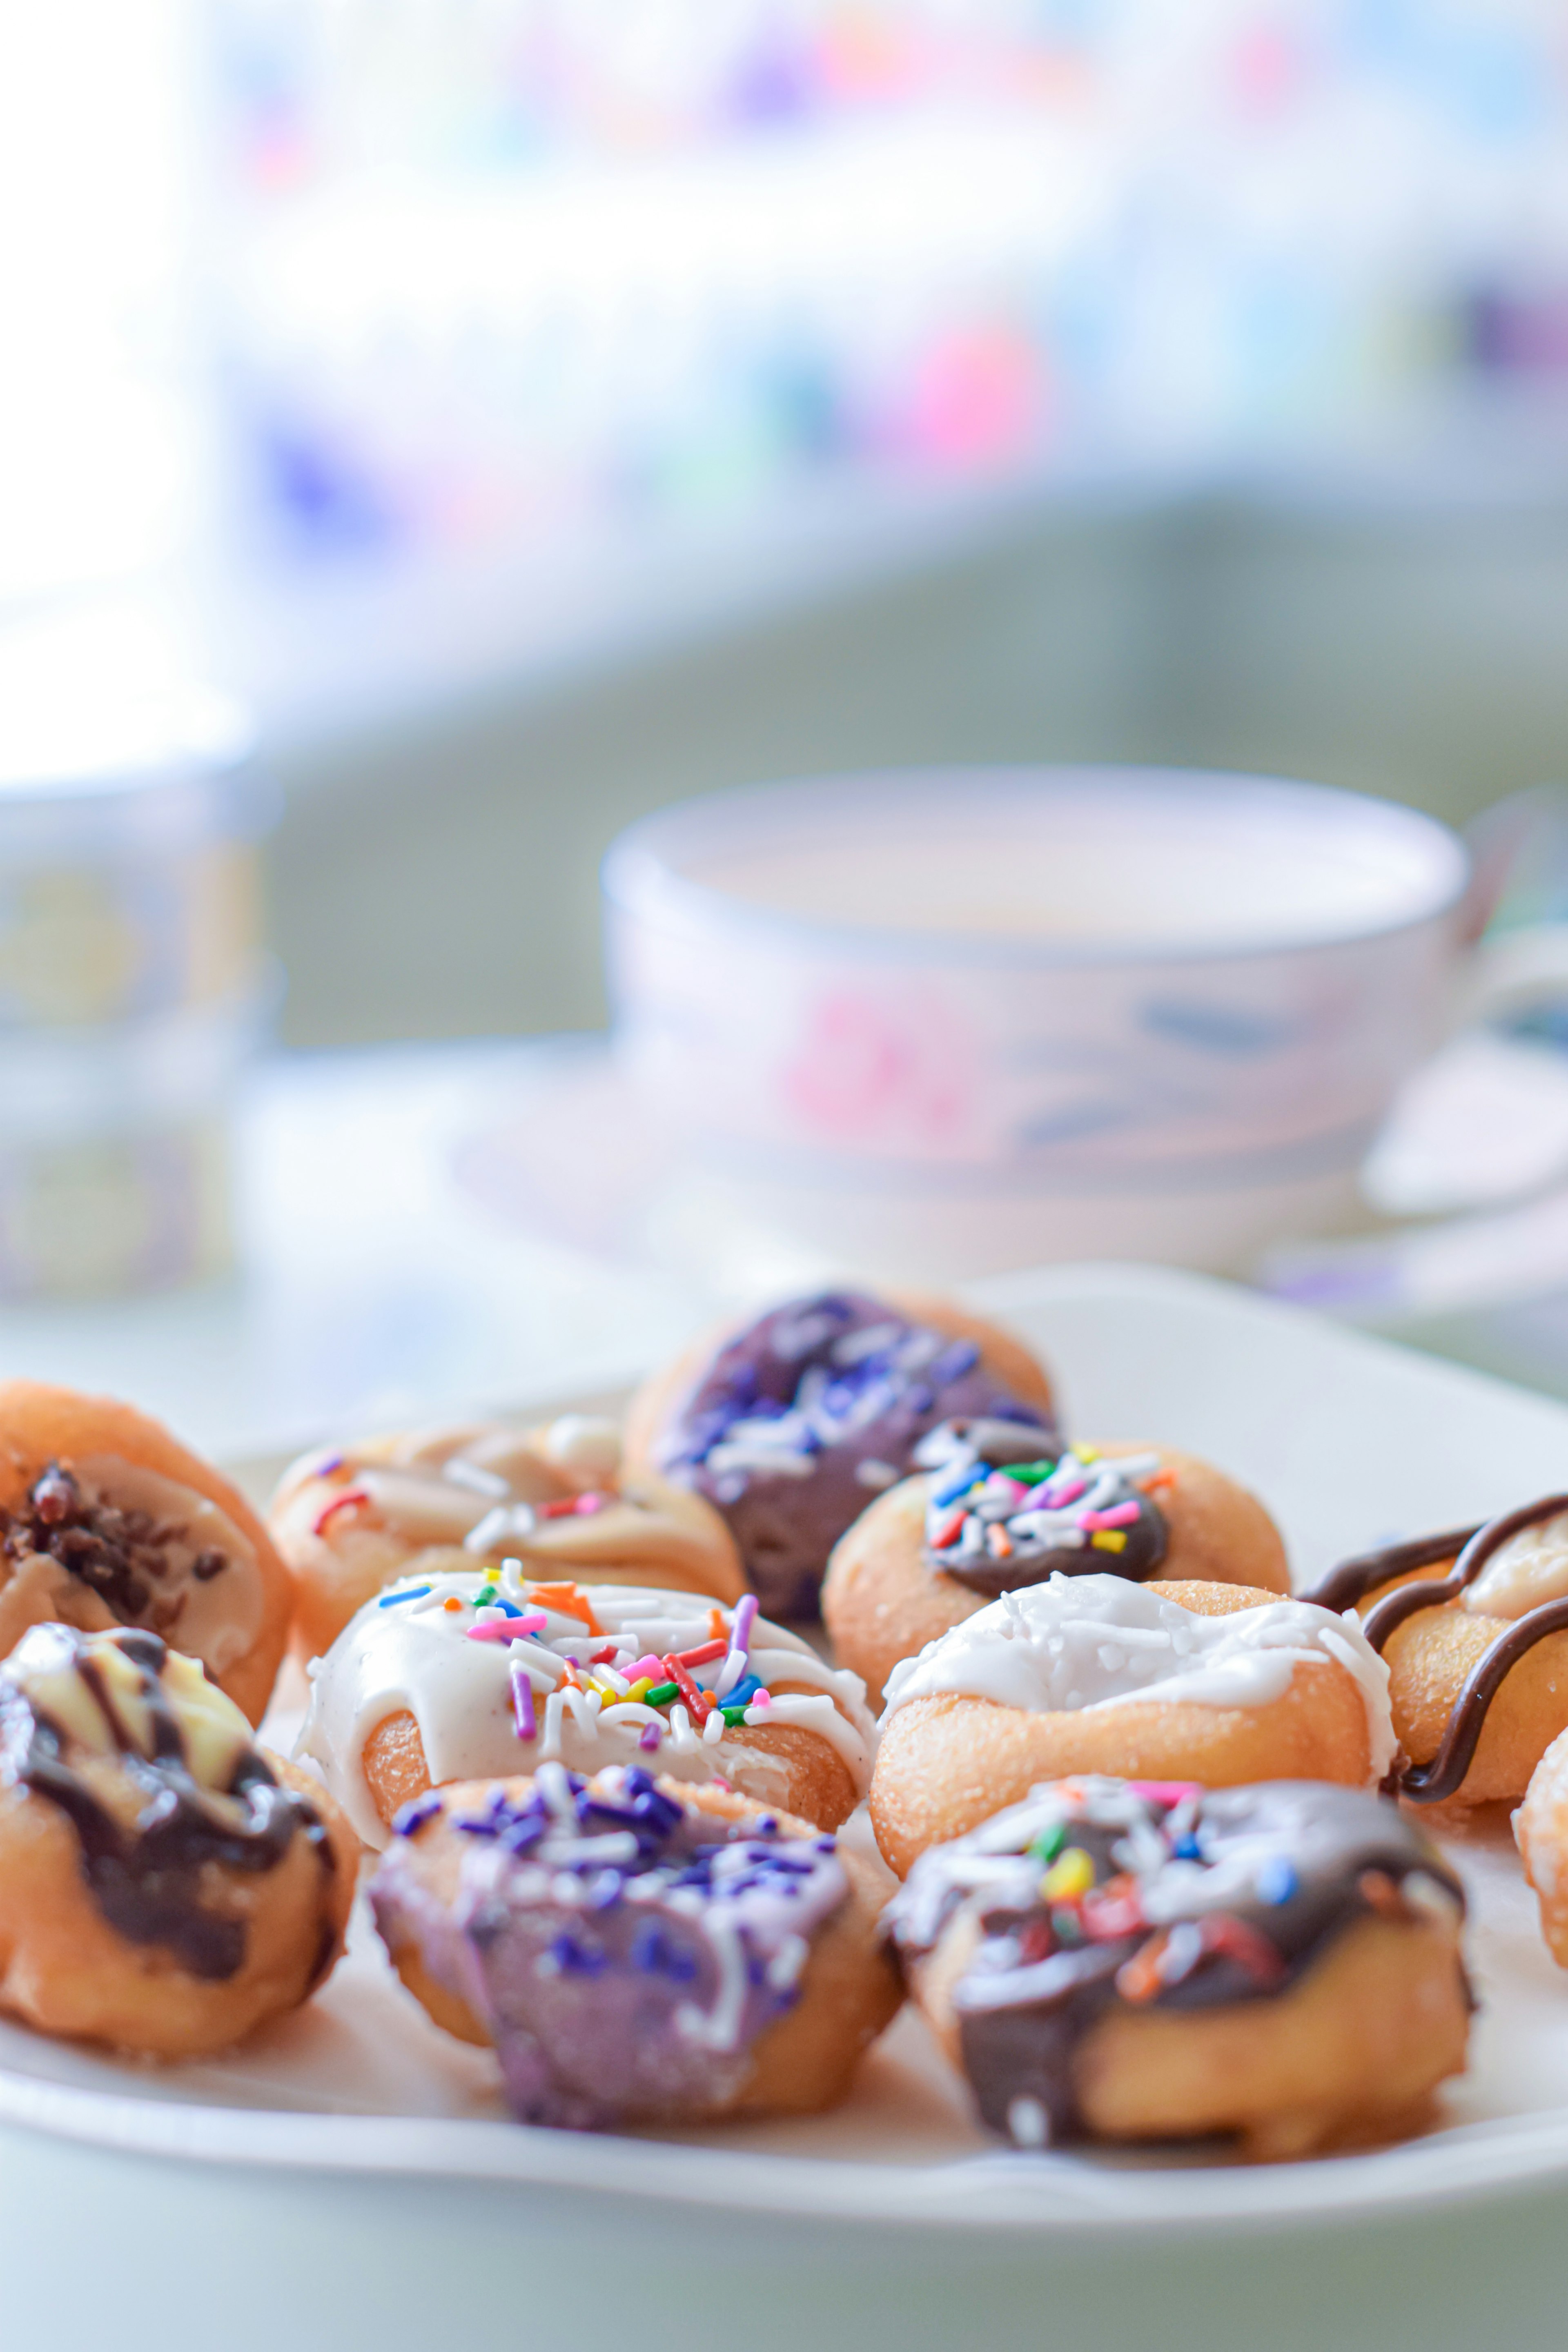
(1200, 1681)
(106, 1520)
(354, 1519)
(165, 1886)
(1128, 1960)
(635, 1949)
(791, 1422)
(993, 1509)
(449, 1677)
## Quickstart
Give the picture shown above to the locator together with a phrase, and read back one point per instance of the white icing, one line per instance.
(1532, 1567)
(1076, 1642)
(416, 1656)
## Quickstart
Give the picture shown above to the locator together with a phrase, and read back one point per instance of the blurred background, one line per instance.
(531, 412)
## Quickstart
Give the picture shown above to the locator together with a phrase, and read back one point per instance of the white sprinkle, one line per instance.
(1028, 2122)
(876, 1474)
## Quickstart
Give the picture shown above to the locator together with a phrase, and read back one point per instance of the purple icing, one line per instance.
(622, 1953)
(777, 1430)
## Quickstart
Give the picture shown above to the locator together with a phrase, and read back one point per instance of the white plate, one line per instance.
(1349, 1441)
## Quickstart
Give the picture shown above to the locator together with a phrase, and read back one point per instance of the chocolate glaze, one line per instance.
(1004, 1446)
(1281, 1870)
(121, 1555)
(147, 1880)
(1432, 1783)
(870, 1408)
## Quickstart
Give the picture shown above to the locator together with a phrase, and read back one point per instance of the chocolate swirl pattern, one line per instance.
(199, 1793)
(1477, 1549)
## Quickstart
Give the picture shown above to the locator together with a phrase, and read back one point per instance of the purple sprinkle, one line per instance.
(416, 1813)
(649, 1737)
(522, 1704)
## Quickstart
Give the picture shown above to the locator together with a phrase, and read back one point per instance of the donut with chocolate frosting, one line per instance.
(635, 1949)
(1129, 1960)
(449, 1677)
(992, 1508)
(790, 1423)
(165, 1885)
(1201, 1682)
(352, 1520)
(105, 1519)
(1473, 1623)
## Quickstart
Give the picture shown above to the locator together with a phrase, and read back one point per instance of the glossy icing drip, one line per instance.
(1480, 1549)
(806, 1413)
(85, 1717)
(1082, 1642)
(150, 1551)
(501, 1671)
(622, 1951)
(1003, 1511)
(1095, 1895)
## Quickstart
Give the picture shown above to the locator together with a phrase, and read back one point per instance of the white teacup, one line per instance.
(951, 1021)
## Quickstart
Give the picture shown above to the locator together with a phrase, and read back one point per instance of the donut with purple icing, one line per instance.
(791, 1424)
(635, 1949)
(1122, 1960)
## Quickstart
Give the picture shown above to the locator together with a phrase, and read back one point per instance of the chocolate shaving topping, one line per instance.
(1443, 1776)
(149, 1880)
(125, 1557)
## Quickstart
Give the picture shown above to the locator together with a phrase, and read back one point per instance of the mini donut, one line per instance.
(1117, 1961)
(107, 1520)
(1092, 1674)
(637, 1951)
(165, 1885)
(449, 1678)
(1478, 1655)
(353, 1521)
(791, 1423)
(1540, 1833)
(994, 1510)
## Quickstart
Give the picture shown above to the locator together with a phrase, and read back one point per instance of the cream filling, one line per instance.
(1076, 1642)
(1530, 1568)
(214, 1732)
(416, 1657)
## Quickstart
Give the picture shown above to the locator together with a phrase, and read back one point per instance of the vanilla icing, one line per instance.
(1076, 1642)
(408, 1651)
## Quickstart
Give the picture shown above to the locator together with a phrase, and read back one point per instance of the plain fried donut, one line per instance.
(445, 1678)
(791, 1423)
(351, 1521)
(164, 1887)
(107, 1520)
(1091, 1674)
(994, 1509)
(649, 1951)
(1540, 1833)
(1474, 1625)
(1111, 1959)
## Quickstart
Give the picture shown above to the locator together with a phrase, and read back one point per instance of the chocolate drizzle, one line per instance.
(1097, 1894)
(1443, 1776)
(121, 1555)
(147, 1880)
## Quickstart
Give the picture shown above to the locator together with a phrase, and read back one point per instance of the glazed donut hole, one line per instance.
(165, 1886)
(790, 1423)
(1112, 1961)
(351, 1522)
(650, 1952)
(105, 1519)
(891, 1589)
